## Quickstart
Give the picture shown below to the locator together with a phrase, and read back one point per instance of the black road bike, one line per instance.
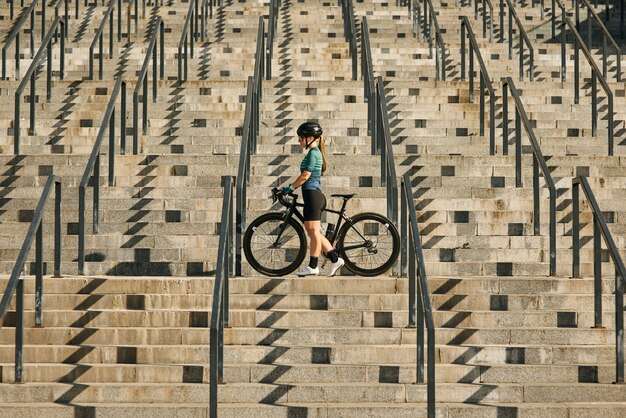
(275, 244)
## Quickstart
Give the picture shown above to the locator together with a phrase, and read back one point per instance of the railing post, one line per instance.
(162, 42)
(518, 149)
(505, 119)
(16, 125)
(49, 74)
(19, 329)
(553, 18)
(471, 73)
(481, 106)
(532, 66)
(39, 275)
(619, 328)
(81, 230)
(112, 148)
(443, 62)
(33, 94)
(575, 230)
(110, 35)
(594, 104)
(563, 66)
(610, 122)
(412, 284)
(43, 18)
(135, 121)
(552, 231)
(65, 27)
(492, 124)
(576, 74)
(521, 58)
(96, 195)
(420, 327)
(463, 52)
(403, 237)
(91, 63)
(57, 230)
(536, 208)
(144, 124)
(597, 273)
(437, 67)
(154, 75)
(123, 121)
(100, 57)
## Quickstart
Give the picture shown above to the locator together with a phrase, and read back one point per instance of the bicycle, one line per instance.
(275, 244)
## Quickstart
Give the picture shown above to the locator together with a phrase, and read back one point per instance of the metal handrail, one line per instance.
(15, 35)
(483, 11)
(46, 48)
(349, 31)
(272, 25)
(596, 75)
(204, 21)
(16, 280)
(369, 85)
(248, 144)
(600, 228)
(191, 23)
(259, 65)
(430, 24)
(142, 81)
(606, 35)
(485, 81)
(561, 6)
(98, 37)
(387, 163)
(539, 162)
(220, 305)
(523, 38)
(93, 164)
(211, 4)
(420, 308)
(66, 16)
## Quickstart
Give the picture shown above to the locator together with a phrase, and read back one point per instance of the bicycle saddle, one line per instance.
(344, 196)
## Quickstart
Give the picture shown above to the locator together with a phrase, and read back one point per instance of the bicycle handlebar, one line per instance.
(277, 194)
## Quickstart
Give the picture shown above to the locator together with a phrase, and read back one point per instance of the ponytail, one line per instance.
(323, 150)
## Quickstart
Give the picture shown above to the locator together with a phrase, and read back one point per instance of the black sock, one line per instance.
(313, 262)
(332, 254)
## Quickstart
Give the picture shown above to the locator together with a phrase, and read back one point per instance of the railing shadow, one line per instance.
(76, 389)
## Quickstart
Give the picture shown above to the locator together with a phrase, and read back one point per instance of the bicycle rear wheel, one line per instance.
(273, 246)
(376, 253)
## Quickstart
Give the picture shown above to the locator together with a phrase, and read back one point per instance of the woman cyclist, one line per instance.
(311, 169)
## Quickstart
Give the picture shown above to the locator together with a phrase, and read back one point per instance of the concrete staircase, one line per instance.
(511, 341)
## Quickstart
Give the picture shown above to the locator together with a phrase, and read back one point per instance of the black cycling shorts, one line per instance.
(314, 204)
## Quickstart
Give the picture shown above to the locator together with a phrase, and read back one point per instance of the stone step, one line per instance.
(297, 356)
(304, 377)
(335, 410)
(290, 292)
(320, 337)
(292, 319)
(189, 392)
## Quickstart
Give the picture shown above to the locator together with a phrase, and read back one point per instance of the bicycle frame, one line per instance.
(292, 209)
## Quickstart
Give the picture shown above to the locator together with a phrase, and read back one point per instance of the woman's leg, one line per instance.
(313, 230)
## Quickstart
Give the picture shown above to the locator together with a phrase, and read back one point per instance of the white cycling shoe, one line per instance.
(308, 271)
(335, 266)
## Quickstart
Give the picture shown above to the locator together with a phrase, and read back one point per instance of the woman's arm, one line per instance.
(302, 178)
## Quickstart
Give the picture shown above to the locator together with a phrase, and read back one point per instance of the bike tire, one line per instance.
(381, 256)
(262, 232)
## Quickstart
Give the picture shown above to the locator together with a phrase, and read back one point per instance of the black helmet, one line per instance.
(308, 129)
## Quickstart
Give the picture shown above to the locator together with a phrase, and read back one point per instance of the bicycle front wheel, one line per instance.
(369, 245)
(274, 246)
